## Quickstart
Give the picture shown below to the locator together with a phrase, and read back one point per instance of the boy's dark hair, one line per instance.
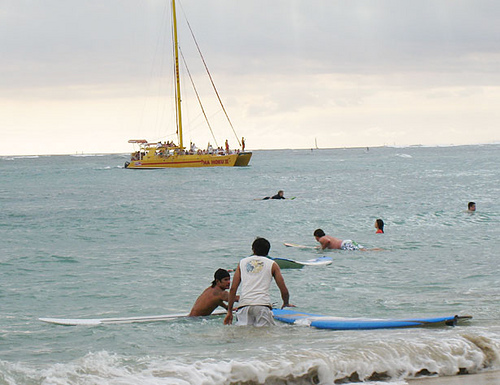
(219, 275)
(261, 247)
(319, 233)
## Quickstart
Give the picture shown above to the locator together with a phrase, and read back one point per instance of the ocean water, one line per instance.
(81, 237)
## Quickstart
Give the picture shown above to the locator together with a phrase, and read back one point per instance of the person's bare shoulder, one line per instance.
(325, 242)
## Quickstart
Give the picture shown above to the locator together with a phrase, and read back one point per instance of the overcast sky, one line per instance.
(87, 76)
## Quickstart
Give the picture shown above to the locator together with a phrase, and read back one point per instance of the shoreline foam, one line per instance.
(483, 378)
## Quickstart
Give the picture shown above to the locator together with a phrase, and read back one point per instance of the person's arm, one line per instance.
(280, 281)
(224, 297)
(228, 320)
(324, 243)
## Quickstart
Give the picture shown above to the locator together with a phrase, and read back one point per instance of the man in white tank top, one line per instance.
(255, 274)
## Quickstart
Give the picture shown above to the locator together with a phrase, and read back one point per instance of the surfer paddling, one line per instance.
(213, 296)
(329, 242)
(255, 274)
(279, 195)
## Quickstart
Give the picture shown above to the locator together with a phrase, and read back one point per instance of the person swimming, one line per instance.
(329, 242)
(214, 295)
(379, 225)
(279, 195)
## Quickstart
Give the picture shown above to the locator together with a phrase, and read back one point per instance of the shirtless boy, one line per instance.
(329, 242)
(213, 296)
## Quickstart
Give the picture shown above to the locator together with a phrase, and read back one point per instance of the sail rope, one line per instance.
(198, 97)
(211, 79)
(177, 123)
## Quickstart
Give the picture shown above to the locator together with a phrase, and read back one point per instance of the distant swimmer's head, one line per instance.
(281, 193)
(261, 247)
(471, 206)
(318, 233)
(379, 225)
(219, 275)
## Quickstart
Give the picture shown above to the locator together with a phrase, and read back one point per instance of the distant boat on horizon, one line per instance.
(315, 145)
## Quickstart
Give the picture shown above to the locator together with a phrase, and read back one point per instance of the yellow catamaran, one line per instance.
(167, 154)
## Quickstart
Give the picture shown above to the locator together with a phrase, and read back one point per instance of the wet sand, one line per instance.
(486, 378)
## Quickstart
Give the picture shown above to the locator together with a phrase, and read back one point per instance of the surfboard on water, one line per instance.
(340, 323)
(123, 320)
(287, 244)
(269, 199)
(285, 263)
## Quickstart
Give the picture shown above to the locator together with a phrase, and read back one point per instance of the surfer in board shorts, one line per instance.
(213, 296)
(329, 242)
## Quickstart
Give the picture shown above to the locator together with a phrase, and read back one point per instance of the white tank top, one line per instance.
(256, 277)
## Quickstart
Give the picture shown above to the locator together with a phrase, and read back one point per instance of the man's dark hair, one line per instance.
(319, 233)
(471, 204)
(261, 247)
(219, 275)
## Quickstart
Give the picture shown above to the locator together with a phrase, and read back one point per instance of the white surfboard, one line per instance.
(123, 320)
(300, 246)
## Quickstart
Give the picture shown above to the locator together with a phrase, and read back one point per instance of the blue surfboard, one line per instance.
(340, 323)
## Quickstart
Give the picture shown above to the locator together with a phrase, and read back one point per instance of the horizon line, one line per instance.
(77, 153)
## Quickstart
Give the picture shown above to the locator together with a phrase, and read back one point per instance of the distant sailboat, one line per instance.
(169, 154)
(315, 145)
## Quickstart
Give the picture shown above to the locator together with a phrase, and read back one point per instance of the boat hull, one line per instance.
(191, 160)
(243, 159)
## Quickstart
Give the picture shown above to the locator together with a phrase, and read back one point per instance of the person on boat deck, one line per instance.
(471, 207)
(329, 242)
(279, 195)
(255, 274)
(379, 225)
(213, 296)
(242, 144)
(227, 147)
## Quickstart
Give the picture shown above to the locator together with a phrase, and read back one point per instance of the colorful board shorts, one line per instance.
(349, 244)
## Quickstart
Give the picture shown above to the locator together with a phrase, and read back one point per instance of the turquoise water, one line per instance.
(81, 237)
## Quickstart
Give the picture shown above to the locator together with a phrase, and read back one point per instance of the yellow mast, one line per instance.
(177, 77)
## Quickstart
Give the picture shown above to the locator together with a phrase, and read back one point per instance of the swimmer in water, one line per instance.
(329, 242)
(379, 225)
(213, 296)
(279, 195)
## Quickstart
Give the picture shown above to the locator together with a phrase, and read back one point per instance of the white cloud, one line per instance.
(347, 72)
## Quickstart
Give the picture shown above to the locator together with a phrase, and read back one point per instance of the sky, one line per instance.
(87, 76)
